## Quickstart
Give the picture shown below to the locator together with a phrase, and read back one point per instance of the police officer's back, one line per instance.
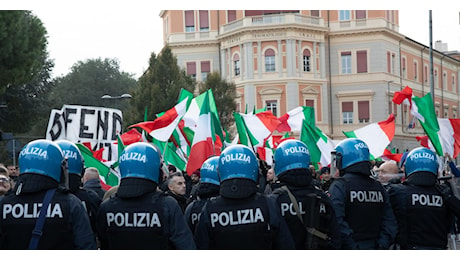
(89, 198)
(241, 217)
(138, 216)
(208, 188)
(66, 225)
(423, 218)
(362, 206)
(307, 210)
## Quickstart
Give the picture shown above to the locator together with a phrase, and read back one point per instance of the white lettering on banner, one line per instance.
(195, 217)
(289, 207)
(236, 157)
(79, 124)
(427, 200)
(133, 157)
(35, 151)
(136, 219)
(422, 155)
(31, 210)
(366, 196)
(239, 217)
(292, 150)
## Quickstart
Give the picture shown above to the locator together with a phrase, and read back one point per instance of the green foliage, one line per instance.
(159, 88)
(224, 95)
(22, 49)
(89, 80)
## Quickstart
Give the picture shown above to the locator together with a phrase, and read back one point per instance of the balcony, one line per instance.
(272, 20)
(191, 37)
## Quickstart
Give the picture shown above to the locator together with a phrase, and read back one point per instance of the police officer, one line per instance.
(241, 217)
(66, 224)
(362, 206)
(138, 216)
(208, 188)
(423, 219)
(307, 209)
(89, 198)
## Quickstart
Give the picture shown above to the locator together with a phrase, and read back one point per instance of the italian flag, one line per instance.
(319, 145)
(163, 127)
(203, 139)
(292, 121)
(254, 129)
(448, 136)
(377, 136)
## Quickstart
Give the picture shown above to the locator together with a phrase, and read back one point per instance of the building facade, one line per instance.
(347, 64)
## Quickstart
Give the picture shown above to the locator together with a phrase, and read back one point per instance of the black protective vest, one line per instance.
(195, 211)
(239, 223)
(364, 206)
(20, 213)
(316, 210)
(91, 202)
(427, 216)
(136, 223)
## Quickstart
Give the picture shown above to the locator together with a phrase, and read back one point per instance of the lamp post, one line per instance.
(123, 96)
(388, 95)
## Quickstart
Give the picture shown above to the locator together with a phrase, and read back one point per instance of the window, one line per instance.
(204, 21)
(231, 15)
(425, 74)
(205, 69)
(393, 63)
(363, 111)
(191, 69)
(347, 112)
(269, 60)
(404, 68)
(314, 13)
(236, 64)
(453, 84)
(346, 62)
(435, 83)
(306, 60)
(272, 105)
(344, 15)
(444, 80)
(361, 58)
(189, 21)
(415, 71)
(360, 14)
(309, 103)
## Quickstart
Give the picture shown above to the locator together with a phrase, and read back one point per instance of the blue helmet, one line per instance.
(41, 157)
(421, 159)
(140, 160)
(291, 154)
(238, 161)
(73, 156)
(351, 151)
(208, 171)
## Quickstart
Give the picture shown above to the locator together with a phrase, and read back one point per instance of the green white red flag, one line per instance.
(292, 121)
(254, 129)
(319, 145)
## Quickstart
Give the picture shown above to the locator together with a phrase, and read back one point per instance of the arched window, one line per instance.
(270, 60)
(306, 60)
(236, 64)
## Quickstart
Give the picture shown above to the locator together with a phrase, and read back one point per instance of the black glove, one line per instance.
(445, 190)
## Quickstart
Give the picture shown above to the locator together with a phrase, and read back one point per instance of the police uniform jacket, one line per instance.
(242, 218)
(315, 208)
(424, 220)
(67, 225)
(139, 217)
(192, 212)
(363, 210)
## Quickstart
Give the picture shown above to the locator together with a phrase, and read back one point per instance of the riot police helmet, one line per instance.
(291, 154)
(140, 160)
(238, 161)
(208, 171)
(350, 152)
(421, 159)
(73, 155)
(42, 157)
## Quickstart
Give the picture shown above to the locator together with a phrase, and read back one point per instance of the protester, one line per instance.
(139, 216)
(257, 223)
(91, 181)
(424, 221)
(326, 178)
(177, 189)
(307, 210)
(388, 173)
(208, 188)
(66, 226)
(5, 181)
(362, 206)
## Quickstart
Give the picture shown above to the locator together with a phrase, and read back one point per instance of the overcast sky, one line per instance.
(131, 30)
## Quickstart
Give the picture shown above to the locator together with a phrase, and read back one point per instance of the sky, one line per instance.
(130, 31)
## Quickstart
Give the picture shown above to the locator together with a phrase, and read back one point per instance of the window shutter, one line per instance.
(309, 102)
(236, 57)
(306, 52)
(347, 106)
(269, 52)
(363, 109)
(345, 53)
(314, 13)
(191, 68)
(388, 62)
(360, 14)
(231, 15)
(189, 20)
(362, 61)
(253, 12)
(205, 66)
(204, 22)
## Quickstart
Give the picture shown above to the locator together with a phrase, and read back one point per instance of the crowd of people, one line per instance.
(234, 201)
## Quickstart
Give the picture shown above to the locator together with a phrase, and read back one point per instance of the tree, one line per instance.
(89, 80)
(224, 95)
(22, 49)
(159, 87)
